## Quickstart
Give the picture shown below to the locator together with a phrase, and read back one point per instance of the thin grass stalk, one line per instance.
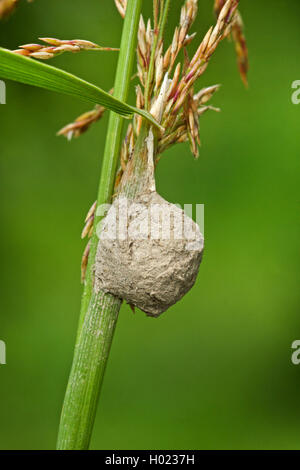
(89, 363)
(99, 312)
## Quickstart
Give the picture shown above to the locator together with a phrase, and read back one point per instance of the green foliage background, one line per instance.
(215, 371)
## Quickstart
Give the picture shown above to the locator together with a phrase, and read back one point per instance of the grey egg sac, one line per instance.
(149, 253)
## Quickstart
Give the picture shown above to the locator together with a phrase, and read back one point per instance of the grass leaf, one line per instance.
(31, 72)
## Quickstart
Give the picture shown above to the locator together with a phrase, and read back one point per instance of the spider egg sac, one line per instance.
(149, 252)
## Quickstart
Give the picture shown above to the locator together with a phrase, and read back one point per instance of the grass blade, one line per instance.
(29, 71)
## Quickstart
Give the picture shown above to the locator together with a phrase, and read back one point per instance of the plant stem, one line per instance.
(90, 358)
(99, 311)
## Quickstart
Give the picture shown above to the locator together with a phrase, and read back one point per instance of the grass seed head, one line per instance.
(57, 47)
(82, 123)
(7, 7)
(121, 7)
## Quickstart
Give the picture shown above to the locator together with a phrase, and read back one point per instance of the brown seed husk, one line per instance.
(153, 266)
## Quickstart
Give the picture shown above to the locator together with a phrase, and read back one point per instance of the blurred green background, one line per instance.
(215, 371)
